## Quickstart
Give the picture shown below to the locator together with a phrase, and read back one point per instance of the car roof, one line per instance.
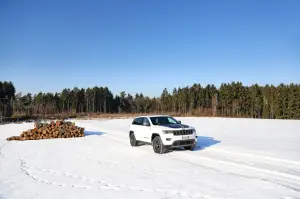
(152, 116)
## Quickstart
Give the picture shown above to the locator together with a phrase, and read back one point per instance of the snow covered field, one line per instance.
(236, 158)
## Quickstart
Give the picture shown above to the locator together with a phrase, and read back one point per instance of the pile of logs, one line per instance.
(58, 129)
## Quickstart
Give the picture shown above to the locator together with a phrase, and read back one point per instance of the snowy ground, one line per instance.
(236, 158)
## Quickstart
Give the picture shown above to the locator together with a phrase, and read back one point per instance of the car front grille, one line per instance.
(183, 132)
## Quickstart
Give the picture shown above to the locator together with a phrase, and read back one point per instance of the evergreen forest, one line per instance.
(229, 100)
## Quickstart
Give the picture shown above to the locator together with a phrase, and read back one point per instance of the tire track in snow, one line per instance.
(117, 164)
(267, 158)
(103, 185)
(252, 168)
(2, 153)
(27, 170)
(242, 170)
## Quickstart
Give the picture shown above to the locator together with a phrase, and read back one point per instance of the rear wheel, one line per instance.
(158, 146)
(133, 141)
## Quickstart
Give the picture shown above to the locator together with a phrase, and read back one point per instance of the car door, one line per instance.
(145, 130)
(136, 128)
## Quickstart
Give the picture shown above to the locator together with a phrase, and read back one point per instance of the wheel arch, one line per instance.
(154, 135)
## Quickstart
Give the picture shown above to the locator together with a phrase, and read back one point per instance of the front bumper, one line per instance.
(181, 143)
(177, 141)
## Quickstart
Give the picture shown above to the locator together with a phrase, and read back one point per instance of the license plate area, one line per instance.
(185, 137)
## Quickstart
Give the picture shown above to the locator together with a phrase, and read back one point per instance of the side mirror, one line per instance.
(179, 121)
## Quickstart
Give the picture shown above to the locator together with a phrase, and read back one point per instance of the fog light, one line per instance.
(168, 139)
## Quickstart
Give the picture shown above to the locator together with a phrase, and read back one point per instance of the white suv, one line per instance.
(163, 132)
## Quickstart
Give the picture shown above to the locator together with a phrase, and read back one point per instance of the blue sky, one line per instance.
(145, 46)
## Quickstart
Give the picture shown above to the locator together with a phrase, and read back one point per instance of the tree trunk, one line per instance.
(104, 105)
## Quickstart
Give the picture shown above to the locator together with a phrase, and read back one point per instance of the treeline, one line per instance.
(7, 96)
(229, 100)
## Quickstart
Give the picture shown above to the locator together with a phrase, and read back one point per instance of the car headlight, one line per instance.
(167, 131)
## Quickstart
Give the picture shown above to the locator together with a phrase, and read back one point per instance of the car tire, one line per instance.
(189, 147)
(158, 146)
(133, 141)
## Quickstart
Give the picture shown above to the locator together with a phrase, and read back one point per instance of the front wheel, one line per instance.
(158, 146)
(133, 141)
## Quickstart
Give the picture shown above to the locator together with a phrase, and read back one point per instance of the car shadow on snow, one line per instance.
(203, 142)
(95, 133)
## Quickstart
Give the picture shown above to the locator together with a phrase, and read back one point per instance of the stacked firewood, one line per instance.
(58, 129)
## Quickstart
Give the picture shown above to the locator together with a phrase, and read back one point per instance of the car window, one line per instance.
(134, 121)
(163, 120)
(146, 121)
(138, 121)
(171, 120)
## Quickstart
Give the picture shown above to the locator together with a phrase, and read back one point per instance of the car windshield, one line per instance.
(163, 120)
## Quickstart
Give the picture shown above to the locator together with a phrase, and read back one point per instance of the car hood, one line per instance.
(172, 126)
